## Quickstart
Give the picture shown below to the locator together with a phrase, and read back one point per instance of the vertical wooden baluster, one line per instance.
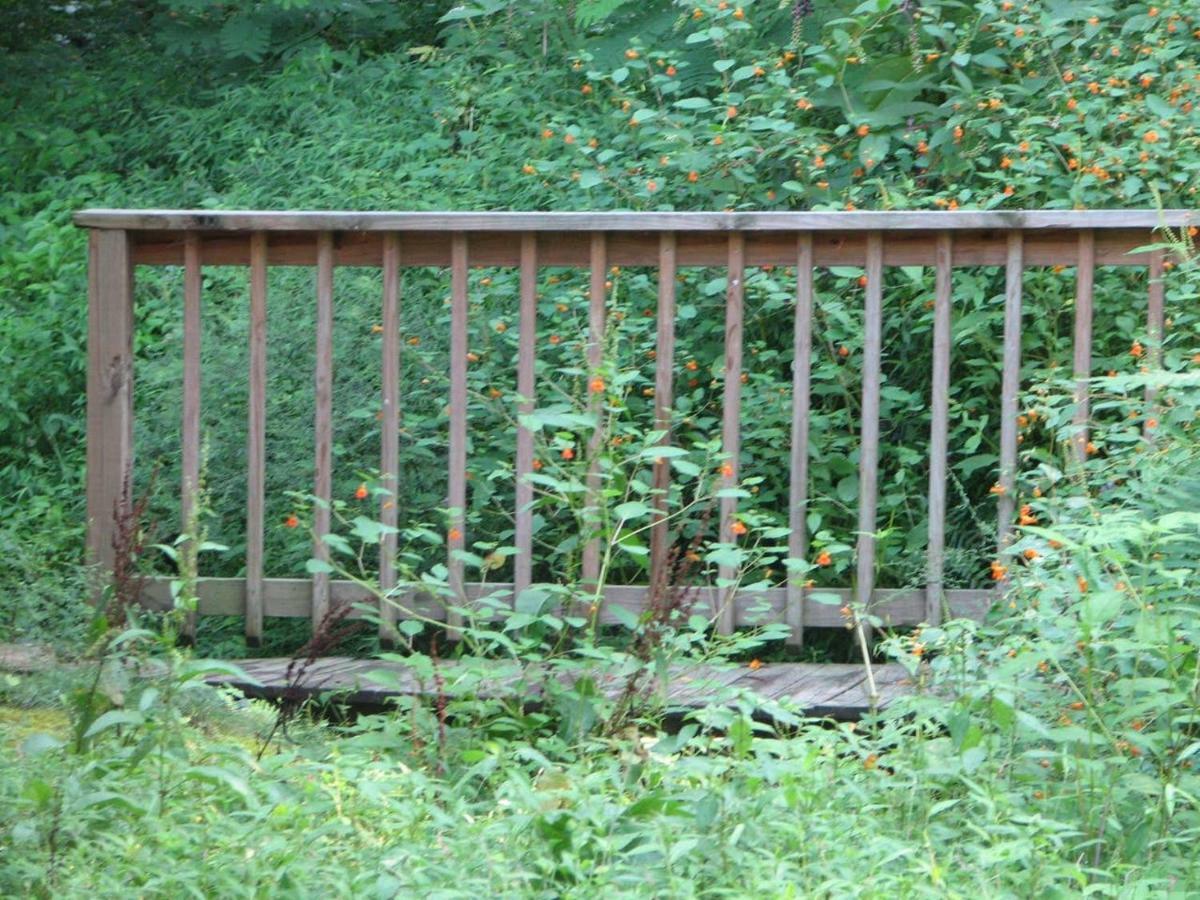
(664, 383)
(323, 424)
(109, 393)
(256, 431)
(526, 389)
(1084, 283)
(190, 433)
(731, 436)
(939, 425)
(868, 459)
(1154, 329)
(801, 398)
(456, 539)
(389, 453)
(1010, 387)
(595, 358)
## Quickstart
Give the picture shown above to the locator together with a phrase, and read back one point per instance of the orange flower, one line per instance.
(738, 528)
(528, 169)
(568, 453)
(361, 493)
(473, 357)
(1072, 103)
(998, 570)
(1091, 449)
(739, 13)
(586, 89)
(537, 465)
(596, 386)
(1151, 424)
(824, 559)
(863, 130)
(1150, 137)
(862, 281)
(755, 664)
(727, 470)
(997, 489)
(1135, 350)
(454, 535)
(291, 521)
(1030, 554)
(1005, 163)
(871, 761)
(1082, 584)
(843, 351)
(555, 339)
(651, 186)
(693, 176)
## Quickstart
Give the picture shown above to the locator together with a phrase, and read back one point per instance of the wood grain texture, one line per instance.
(731, 414)
(939, 428)
(389, 445)
(1084, 289)
(1010, 388)
(457, 444)
(256, 440)
(827, 690)
(802, 326)
(527, 390)
(597, 303)
(323, 425)
(868, 452)
(292, 598)
(1155, 321)
(109, 392)
(266, 220)
(640, 248)
(189, 436)
(664, 400)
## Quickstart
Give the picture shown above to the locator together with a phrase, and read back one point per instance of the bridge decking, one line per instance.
(816, 689)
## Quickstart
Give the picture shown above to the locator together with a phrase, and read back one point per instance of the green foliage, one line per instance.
(1049, 751)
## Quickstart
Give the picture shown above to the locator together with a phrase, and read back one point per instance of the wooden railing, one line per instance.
(120, 240)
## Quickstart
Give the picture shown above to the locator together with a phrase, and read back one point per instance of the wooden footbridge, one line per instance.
(122, 240)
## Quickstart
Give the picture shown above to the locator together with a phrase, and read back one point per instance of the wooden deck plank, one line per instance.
(834, 689)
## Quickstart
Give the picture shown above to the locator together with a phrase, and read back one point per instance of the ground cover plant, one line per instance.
(1049, 751)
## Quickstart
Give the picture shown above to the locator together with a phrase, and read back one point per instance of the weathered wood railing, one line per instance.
(123, 239)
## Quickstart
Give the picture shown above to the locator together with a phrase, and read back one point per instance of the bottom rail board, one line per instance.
(292, 597)
(832, 690)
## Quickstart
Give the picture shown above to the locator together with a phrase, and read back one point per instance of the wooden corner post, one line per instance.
(109, 391)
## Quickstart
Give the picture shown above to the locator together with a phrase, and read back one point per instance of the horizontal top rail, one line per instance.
(925, 220)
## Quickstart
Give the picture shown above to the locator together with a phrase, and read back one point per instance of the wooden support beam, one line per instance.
(1010, 388)
(1155, 322)
(256, 440)
(323, 425)
(109, 394)
(597, 314)
(939, 428)
(802, 327)
(664, 399)
(1084, 284)
(389, 446)
(456, 540)
(868, 451)
(731, 415)
(527, 391)
(189, 455)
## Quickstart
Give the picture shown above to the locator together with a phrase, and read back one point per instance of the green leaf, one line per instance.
(114, 718)
(693, 103)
